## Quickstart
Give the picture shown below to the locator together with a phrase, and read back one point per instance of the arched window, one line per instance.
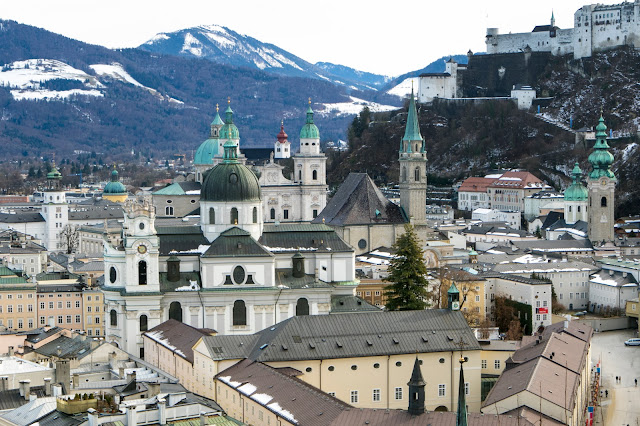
(314, 175)
(299, 174)
(175, 311)
(234, 216)
(255, 215)
(142, 273)
(404, 174)
(416, 174)
(168, 211)
(273, 214)
(212, 216)
(569, 209)
(603, 202)
(113, 316)
(239, 313)
(302, 307)
(578, 209)
(143, 323)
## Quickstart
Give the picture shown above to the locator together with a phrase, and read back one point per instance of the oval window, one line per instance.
(141, 225)
(376, 365)
(112, 274)
(238, 274)
(233, 178)
(398, 364)
(308, 370)
(441, 360)
(331, 368)
(362, 244)
(354, 367)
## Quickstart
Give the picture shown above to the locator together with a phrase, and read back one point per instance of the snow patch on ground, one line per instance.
(404, 89)
(30, 73)
(192, 45)
(115, 71)
(628, 150)
(353, 107)
(51, 95)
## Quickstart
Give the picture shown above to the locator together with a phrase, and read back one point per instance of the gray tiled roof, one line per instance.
(359, 201)
(346, 303)
(21, 217)
(363, 334)
(230, 347)
(235, 242)
(176, 336)
(69, 347)
(180, 238)
(554, 245)
(304, 237)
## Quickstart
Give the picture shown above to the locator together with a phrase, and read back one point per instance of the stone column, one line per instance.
(194, 316)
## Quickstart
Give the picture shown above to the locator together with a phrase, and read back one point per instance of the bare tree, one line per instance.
(70, 238)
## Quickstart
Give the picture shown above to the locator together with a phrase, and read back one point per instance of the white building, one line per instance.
(609, 289)
(440, 85)
(512, 219)
(523, 95)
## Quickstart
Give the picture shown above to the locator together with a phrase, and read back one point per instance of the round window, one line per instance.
(238, 274)
(233, 178)
(362, 244)
(354, 367)
(169, 201)
(331, 368)
(308, 370)
(376, 365)
(112, 274)
(141, 225)
(398, 364)
(441, 360)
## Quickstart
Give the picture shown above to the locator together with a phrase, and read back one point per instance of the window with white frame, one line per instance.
(496, 364)
(484, 363)
(376, 395)
(354, 396)
(442, 390)
(398, 393)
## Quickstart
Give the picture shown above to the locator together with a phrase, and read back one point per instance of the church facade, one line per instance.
(232, 272)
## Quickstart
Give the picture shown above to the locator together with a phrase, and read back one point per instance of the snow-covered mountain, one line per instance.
(225, 46)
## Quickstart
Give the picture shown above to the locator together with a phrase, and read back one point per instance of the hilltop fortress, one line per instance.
(596, 27)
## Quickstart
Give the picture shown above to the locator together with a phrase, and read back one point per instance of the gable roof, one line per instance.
(236, 242)
(475, 184)
(301, 238)
(180, 239)
(359, 201)
(180, 188)
(177, 337)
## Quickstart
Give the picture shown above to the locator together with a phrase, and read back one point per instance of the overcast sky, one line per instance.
(384, 37)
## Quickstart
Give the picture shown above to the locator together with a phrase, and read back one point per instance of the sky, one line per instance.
(383, 37)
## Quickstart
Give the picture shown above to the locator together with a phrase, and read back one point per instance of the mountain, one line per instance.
(225, 46)
(61, 95)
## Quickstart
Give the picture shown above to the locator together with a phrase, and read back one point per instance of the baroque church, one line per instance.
(232, 272)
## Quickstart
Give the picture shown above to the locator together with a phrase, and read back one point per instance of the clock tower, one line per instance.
(453, 297)
(601, 185)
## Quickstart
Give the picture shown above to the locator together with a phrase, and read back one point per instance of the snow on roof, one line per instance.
(262, 398)
(284, 413)
(158, 336)
(382, 254)
(13, 365)
(227, 380)
(494, 176)
(510, 178)
(202, 248)
(247, 389)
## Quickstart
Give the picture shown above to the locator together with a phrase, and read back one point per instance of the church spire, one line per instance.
(601, 159)
(461, 418)
(412, 131)
(416, 390)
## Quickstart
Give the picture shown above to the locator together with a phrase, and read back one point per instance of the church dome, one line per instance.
(206, 151)
(601, 159)
(115, 186)
(54, 173)
(309, 130)
(282, 136)
(576, 191)
(229, 130)
(230, 180)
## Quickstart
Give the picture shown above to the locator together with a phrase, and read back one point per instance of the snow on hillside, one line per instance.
(353, 107)
(51, 95)
(192, 45)
(30, 73)
(116, 72)
(404, 89)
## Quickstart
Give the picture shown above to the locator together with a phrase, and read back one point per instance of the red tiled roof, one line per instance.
(476, 184)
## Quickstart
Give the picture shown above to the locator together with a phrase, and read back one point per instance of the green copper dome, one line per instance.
(601, 159)
(230, 180)
(217, 121)
(206, 151)
(229, 130)
(114, 187)
(309, 130)
(576, 191)
(453, 289)
(54, 173)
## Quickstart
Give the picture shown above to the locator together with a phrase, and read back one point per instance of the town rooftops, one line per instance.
(180, 188)
(358, 201)
(292, 238)
(475, 184)
(613, 278)
(21, 217)
(177, 337)
(65, 347)
(518, 180)
(545, 266)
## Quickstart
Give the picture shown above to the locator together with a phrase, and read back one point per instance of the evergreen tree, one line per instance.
(407, 273)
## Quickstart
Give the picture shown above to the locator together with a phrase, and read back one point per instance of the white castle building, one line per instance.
(596, 27)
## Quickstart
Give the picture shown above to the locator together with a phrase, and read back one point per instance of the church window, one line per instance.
(273, 214)
(168, 211)
(302, 307)
(234, 216)
(142, 273)
(299, 174)
(227, 280)
(315, 213)
(255, 215)
(404, 174)
(315, 175)
(250, 279)
(112, 274)
(143, 323)
(416, 174)
(569, 209)
(238, 275)
(141, 225)
(175, 311)
(362, 244)
(239, 313)
(603, 202)
(285, 214)
(212, 216)
(578, 209)
(113, 317)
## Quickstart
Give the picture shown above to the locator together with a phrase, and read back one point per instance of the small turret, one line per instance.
(282, 146)
(461, 415)
(453, 297)
(416, 390)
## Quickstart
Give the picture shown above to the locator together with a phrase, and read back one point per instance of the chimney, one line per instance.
(132, 416)
(25, 389)
(610, 272)
(56, 390)
(162, 411)
(154, 389)
(112, 359)
(76, 380)
(203, 420)
(63, 372)
(11, 351)
(58, 351)
(47, 386)
(93, 417)
(131, 376)
(4, 383)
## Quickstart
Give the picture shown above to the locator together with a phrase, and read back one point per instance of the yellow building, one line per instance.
(363, 359)
(473, 298)
(93, 311)
(632, 310)
(115, 191)
(17, 301)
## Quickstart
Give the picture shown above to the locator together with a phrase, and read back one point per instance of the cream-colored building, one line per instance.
(17, 301)
(93, 311)
(549, 376)
(363, 359)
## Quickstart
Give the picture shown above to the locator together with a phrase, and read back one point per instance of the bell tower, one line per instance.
(416, 390)
(601, 185)
(453, 297)
(413, 168)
